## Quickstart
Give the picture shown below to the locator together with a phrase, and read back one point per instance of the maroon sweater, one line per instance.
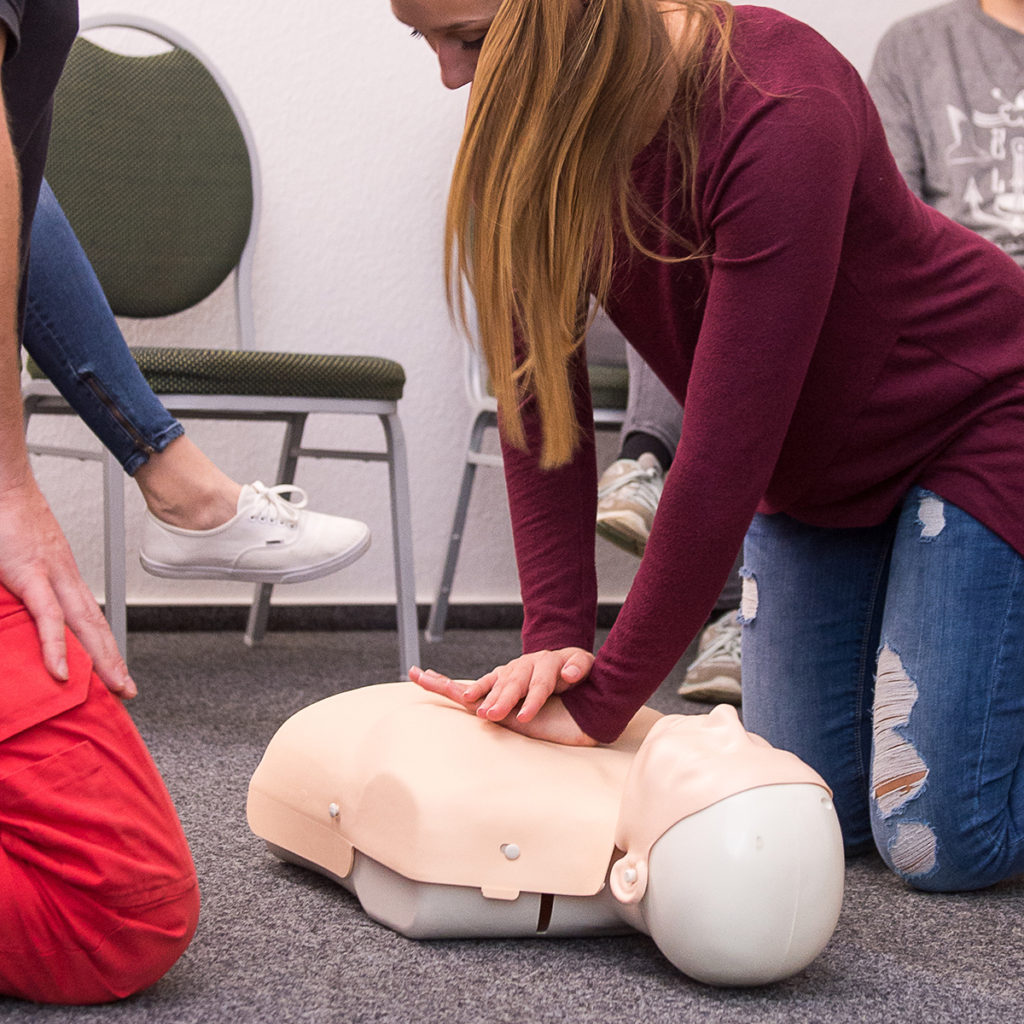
(842, 342)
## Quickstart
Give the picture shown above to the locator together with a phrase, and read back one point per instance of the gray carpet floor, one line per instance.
(279, 944)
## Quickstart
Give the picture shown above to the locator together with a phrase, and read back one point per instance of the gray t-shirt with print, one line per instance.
(949, 84)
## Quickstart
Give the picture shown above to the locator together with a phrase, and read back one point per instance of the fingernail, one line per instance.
(62, 670)
(571, 672)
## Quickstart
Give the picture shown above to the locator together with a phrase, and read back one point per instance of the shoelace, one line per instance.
(726, 644)
(640, 486)
(273, 506)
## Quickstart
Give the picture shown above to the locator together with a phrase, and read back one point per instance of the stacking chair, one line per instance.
(609, 390)
(153, 162)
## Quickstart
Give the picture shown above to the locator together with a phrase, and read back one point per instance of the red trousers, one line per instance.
(98, 893)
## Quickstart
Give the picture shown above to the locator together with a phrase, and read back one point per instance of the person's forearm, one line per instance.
(36, 563)
(13, 457)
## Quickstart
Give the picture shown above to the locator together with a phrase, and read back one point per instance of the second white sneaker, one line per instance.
(627, 498)
(269, 540)
(715, 675)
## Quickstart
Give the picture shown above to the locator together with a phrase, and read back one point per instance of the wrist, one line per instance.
(16, 475)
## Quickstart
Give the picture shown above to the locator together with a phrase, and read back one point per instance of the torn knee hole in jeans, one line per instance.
(898, 773)
(931, 516)
(913, 849)
(748, 597)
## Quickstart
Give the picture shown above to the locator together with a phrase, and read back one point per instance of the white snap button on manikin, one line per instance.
(333, 810)
(511, 851)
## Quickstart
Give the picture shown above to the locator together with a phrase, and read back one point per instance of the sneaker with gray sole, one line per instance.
(627, 498)
(269, 540)
(714, 675)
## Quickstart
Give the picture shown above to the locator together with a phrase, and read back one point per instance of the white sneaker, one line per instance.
(627, 498)
(269, 540)
(714, 676)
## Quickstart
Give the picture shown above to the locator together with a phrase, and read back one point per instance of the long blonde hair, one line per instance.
(560, 106)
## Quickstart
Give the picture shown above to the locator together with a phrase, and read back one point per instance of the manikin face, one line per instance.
(685, 764)
(453, 29)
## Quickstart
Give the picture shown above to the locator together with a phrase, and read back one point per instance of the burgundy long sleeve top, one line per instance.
(841, 342)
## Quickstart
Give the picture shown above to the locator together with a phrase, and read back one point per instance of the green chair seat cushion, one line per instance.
(609, 386)
(206, 371)
(202, 371)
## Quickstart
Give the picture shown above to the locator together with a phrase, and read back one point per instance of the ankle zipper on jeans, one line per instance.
(141, 444)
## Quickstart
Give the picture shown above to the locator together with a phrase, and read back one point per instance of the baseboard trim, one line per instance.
(296, 618)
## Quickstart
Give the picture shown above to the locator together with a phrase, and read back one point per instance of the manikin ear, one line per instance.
(628, 879)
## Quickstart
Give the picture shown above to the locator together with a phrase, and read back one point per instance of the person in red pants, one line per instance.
(98, 892)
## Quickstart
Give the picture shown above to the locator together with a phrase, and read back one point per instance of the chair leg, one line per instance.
(474, 458)
(259, 611)
(115, 598)
(401, 532)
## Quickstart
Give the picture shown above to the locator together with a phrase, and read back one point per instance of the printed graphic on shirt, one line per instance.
(988, 150)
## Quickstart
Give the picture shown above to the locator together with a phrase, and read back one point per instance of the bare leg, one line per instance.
(181, 486)
(201, 523)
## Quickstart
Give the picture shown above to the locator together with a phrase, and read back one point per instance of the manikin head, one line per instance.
(732, 851)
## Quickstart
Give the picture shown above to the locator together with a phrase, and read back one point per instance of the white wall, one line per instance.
(356, 138)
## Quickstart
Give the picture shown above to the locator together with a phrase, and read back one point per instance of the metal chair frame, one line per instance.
(41, 397)
(485, 418)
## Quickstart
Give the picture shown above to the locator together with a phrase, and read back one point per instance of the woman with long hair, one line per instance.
(852, 368)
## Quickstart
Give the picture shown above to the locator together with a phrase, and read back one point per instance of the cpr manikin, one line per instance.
(726, 851)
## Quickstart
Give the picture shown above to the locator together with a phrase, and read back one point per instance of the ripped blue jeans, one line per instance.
(72, 334)
(891, 659)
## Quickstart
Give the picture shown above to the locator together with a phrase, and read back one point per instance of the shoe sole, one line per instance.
(227, 572)
(621, 538)
(715, 691)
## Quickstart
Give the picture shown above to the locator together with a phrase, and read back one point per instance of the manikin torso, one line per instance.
(723, 849)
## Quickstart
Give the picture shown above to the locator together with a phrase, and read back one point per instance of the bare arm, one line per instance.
(36, 563)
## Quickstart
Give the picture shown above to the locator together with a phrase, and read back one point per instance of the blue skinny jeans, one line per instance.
(891, 659)
(73, 336)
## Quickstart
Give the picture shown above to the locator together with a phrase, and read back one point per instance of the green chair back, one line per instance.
(152, 169)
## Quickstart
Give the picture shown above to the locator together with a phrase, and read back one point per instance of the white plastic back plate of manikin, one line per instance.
(426, 910)
(435, 795)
